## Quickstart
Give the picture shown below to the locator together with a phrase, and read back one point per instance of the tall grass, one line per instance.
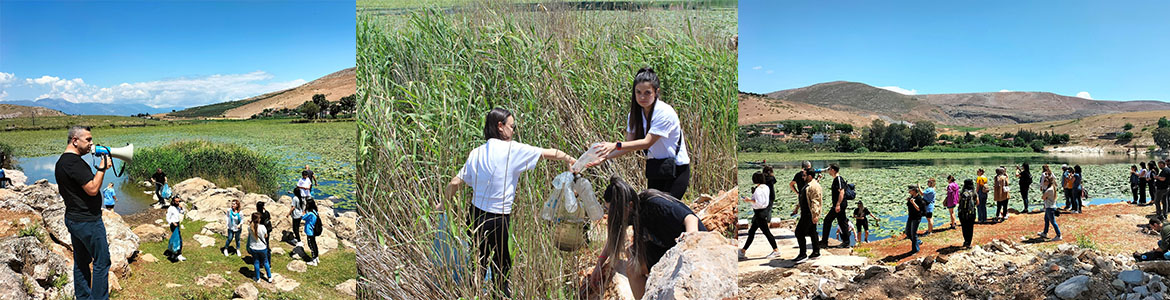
(7, 158)
(425, 84)
(221, 163)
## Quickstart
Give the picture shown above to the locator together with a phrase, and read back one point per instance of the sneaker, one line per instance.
(1042, 235)
(1056, 239)
(225, 252)
(742, 256)
(269, 279)
(181, 258)
(258, 280)
(815, 255)
(799, 259)
(312, 263)
(237, 252)
(774, 254)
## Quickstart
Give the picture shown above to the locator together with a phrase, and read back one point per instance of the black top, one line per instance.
(805, 213)
(72, 173)
(662, 220)
(1025, 179)
(800, 183)
(1133, 178)
(913, 213)
(770, 181)
(860, 213)
(161, 177)
(1165, 173)
(838, 188)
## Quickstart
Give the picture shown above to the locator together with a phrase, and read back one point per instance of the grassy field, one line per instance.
(566, 75)
(149, 280)
(326, 147)
(63, 122)
(211, 110)
(408, 4)
(883, 189)
(789, 157)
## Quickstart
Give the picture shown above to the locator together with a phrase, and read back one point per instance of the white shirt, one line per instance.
(298, 208)
(493, 170)
(257, 237)
(664, 123)
(760, 197)
(307, 183)
(174, 214)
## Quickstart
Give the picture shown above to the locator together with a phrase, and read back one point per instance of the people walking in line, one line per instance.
(762, 216)
(981, 190)
(1024, 177)
(809, 208)
(1048, 184)
(968, 201)
(79, 189)
(838, 209)
(952, 197)
(914, 208)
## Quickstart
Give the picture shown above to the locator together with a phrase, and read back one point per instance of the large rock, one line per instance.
(349, 287)
(246, 291)
(17, 177)
(297, 265)
(1133, 277)
(701, 266)
(1073, 287)
(12, 285)
(211, 280)
(212, 204)
(203, 240)
(27, 260)
(717, 213)
(346, 228)
(1160, 267)
(216, 228)
(188, 189)
(150, 233)
(123, 242)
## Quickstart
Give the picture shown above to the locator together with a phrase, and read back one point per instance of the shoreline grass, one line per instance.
(224, 164)
(566, 76)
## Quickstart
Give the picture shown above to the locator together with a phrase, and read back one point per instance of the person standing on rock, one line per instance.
(654, 126)
(493, 170)
(258, 248)
(1048, 183)
(303, 195)
(159, 179)
(914, 209)
(109, 198)
(838, 208)
(981, 190)
(968, 201)
(658, 220)
(761, 218)
(234, 219)
(174, 218)
(1024, 175)
(1001, 194)
(312, 230)
(809, 207)
(952, 197)
(79, 188)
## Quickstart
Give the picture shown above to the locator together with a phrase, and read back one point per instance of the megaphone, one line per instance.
(124, 153)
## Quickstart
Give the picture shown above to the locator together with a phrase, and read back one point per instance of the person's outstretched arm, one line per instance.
(554, 154)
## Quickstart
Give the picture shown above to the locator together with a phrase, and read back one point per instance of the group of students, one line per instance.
(809, 201)
(1154, 176)
(658, 217)
(304, 208)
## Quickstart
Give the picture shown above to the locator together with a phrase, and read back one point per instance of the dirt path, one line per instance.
(1112, 228)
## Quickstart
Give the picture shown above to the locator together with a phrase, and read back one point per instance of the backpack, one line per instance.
(1068, 181)
(850, 193)
(317, 224)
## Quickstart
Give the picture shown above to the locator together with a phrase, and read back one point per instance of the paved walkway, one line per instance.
(786, 242)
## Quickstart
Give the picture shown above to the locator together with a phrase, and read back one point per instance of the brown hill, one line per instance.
(9, 111)
(334, 86)
(757, 109)
(966, 109)
(1089, 130)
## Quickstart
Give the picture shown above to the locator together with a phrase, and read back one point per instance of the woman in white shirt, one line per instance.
(762, 216)
(258, 248)
(653, 126)
(174, 218)
(493, 170)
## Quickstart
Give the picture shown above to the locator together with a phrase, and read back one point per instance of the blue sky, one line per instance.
(1106, 50)
(169, 53)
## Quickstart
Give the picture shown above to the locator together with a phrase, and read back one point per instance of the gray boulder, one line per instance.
(701, 266)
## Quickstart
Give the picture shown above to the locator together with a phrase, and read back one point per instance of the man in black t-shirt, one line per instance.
(159, 179)
(838, 209)
(80, 188)
(1163, 183)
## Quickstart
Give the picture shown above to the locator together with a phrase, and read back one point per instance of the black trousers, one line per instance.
(676, 186)
(842, 223)
(491, 237)
(968, 226)
(761, 220)
(1024, 195)
(806, 228)
(296, 228)
(1141, 193)
(1001, 208)
(312, 246)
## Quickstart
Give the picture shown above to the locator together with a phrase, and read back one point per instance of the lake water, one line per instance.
(132, 198)
(1102, 187)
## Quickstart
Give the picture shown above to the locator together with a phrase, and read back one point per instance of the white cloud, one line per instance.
(6, 78)
(3, 95)
(183, 91)
(768, 72)
(1084, 95)
(1005, 91)
(899, 90)
(757, 67)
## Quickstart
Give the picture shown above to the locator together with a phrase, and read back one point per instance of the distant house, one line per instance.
(779, 126)
(807, 127)
(1011, 139)
(819, 138)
